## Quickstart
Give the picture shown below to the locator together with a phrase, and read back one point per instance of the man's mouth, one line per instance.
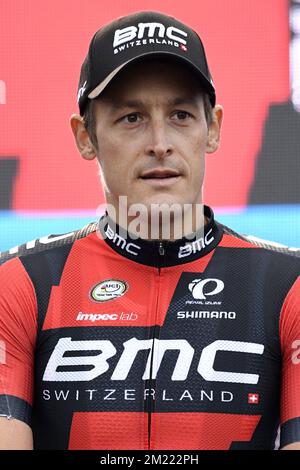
(160, 173)
(161, 176)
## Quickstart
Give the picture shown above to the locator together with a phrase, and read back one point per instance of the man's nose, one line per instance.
(159, 144)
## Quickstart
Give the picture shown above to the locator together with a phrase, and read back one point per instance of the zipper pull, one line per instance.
(161, 249)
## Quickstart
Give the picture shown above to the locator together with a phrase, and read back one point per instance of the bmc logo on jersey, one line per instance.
(95, 365)
(196, 246)
(108, 290)
(200, 290)
(148, 30)
(130, 247)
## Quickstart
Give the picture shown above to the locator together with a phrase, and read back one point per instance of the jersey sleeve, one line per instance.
(289, 330)
(18, 325)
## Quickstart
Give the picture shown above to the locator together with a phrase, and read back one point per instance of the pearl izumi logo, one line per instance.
(202, 288)
(108, 290)
(147, 34)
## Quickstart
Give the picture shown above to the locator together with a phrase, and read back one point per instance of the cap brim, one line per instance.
(206, 83)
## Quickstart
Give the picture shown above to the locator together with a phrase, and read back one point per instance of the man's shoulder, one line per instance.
(48, 242)
(267, 246)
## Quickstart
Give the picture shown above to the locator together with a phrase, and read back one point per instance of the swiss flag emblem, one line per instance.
(183, 47)
(253, 398)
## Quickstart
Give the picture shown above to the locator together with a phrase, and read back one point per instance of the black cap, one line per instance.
(133, 37)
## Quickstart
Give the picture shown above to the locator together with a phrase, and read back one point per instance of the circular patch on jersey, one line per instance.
(108, 290)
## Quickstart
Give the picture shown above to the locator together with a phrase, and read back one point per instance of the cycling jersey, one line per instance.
(111, 342)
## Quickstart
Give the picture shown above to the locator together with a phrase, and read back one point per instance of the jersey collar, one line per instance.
(162, 253)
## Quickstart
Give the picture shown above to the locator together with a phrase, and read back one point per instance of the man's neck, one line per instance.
(161, 223)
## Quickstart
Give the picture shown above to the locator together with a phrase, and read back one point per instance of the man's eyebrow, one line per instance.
(116, 105)
(185, 100)
(126, 104)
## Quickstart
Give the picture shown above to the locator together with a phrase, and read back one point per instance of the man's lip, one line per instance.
(160, 173)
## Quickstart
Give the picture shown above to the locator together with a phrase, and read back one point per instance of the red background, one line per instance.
(43, 45)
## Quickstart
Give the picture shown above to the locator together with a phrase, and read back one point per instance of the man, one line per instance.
(119, 336)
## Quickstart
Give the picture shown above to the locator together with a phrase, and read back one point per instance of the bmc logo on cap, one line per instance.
(147, 30)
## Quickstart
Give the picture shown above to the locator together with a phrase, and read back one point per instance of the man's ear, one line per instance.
(82, 139)
(214, 130)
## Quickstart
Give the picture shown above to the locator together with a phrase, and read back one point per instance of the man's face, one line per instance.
(152, 135)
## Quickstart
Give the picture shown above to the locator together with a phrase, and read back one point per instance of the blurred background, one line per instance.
(253, 49)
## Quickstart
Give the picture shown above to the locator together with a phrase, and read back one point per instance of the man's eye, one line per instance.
(181, 115)
(131, 118)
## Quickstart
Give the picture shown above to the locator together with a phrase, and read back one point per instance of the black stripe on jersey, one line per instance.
(264, 437)
(261, 243)
(14, 407)
(45, 270)
(36, 246)
(290, 432)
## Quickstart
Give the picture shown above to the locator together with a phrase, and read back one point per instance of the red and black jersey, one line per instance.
(110, 342)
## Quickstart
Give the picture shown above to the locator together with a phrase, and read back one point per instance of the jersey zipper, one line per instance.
(161, 251)
(161, 254)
